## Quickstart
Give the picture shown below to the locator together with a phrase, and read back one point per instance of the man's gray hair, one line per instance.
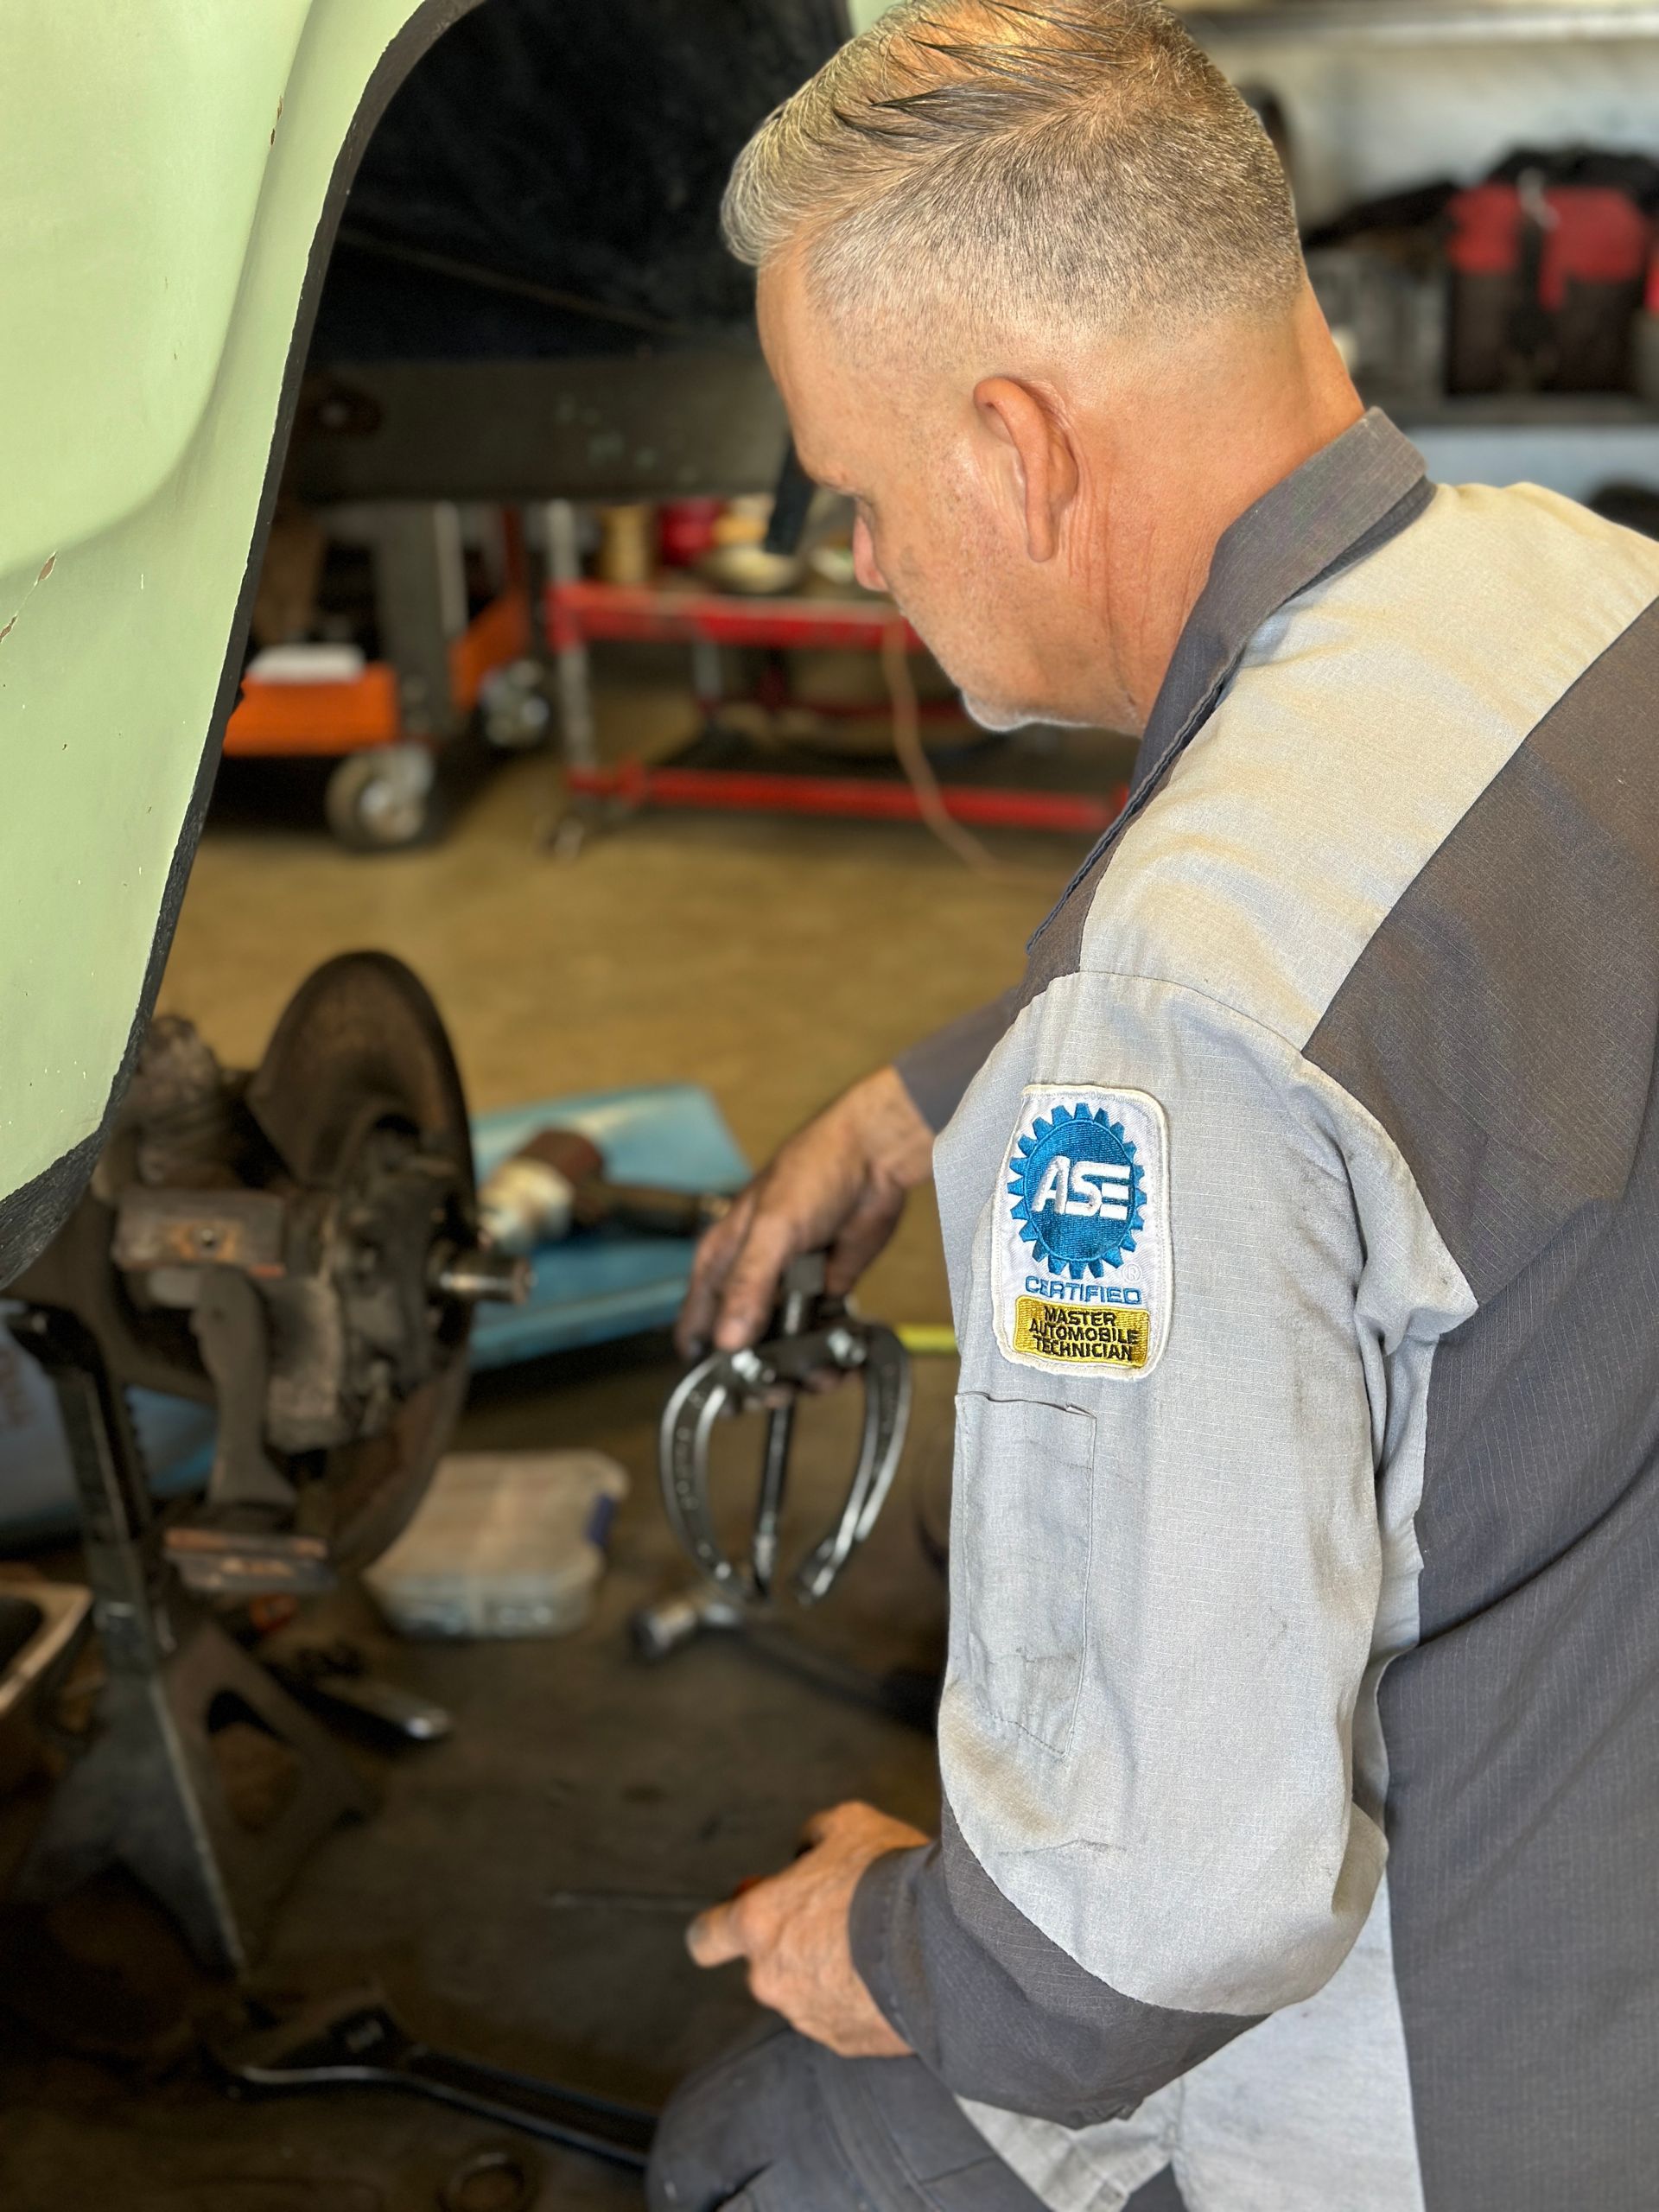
(1029, 164)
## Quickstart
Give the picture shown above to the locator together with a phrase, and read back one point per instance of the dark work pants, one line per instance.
(781, 2124)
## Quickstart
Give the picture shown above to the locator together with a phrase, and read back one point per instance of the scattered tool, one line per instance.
(813, 1334)
(354, 2041)
(335, 1681)
(491, 2181)
(557, 1183)
(682, 1905)
(41, 1627)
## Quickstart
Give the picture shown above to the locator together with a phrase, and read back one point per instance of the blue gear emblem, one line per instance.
(1078, 1191)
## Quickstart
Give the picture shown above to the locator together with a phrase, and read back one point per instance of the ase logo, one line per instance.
(1079, 1191)
(1080, 1248)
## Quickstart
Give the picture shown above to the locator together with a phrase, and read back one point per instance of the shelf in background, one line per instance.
(1398, 23)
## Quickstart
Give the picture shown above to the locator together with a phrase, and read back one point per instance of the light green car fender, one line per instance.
(171, 175)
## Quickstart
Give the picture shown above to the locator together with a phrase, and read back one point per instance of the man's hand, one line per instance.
(840, 1183)
(792, 1931)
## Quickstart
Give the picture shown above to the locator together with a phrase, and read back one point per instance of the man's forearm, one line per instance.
(999, 2012)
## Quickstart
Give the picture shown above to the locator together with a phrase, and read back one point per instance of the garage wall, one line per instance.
(1370, 119)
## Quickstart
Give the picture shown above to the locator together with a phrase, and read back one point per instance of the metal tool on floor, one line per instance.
(557, 1182)
(813, 1334)
(297, 1248)
(491, 2181)
(336, 1682)
(354, 2041)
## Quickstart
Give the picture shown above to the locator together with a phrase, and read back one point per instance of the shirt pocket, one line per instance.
(1021, 1535)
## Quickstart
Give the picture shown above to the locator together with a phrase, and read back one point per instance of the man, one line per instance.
(1301, 1737)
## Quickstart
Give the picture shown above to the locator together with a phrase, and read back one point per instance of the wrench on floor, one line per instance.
(352, 2040)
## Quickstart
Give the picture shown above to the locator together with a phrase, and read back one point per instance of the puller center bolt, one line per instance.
(845, 1348)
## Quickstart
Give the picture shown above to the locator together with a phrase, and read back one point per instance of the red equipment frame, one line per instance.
(579, 611)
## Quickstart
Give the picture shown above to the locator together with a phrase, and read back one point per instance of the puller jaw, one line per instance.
(813, 1333)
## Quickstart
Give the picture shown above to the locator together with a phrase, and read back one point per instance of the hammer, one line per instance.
(557, 1183)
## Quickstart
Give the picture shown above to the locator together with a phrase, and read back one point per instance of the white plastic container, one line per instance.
(506, 1543)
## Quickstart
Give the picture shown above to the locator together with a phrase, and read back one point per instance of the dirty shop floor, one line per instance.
(520, 1893)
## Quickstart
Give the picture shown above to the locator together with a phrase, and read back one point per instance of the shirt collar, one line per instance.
(1350, 499)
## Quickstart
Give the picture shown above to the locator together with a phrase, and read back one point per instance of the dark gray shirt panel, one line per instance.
(1504, 1016)
(999, 2012)
(1503, 1026)
(938, 1070)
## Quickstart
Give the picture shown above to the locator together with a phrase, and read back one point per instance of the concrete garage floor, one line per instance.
(521, 1893)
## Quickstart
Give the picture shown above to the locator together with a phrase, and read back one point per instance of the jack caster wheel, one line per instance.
(514, 707)
(378, 800)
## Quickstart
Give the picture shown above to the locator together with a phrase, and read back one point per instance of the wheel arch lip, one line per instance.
(210, 477)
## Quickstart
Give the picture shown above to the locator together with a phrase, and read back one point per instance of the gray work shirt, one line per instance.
(1301, 1735)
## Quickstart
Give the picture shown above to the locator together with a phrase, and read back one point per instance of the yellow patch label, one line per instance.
(1091, 1336)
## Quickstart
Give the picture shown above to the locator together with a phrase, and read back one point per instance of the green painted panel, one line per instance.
(133, 142)
(139, 135)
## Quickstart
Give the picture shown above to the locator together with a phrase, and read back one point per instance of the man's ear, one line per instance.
(1025, 419)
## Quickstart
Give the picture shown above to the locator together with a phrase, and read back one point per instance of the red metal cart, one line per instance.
(579, 613)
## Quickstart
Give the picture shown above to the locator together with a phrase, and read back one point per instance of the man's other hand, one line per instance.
(792, 1931)
(840, 1184)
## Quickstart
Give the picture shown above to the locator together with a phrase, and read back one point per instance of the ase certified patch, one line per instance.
(1081, 1236)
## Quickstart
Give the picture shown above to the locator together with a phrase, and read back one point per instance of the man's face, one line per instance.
(940, 520)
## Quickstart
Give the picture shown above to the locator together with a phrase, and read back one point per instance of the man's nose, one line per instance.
(866, 567)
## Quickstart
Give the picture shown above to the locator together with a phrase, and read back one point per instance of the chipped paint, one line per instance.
(47, 567)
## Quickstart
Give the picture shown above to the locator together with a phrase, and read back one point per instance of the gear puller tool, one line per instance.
(813, 1334)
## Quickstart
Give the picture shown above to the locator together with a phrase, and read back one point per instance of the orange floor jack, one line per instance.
(383, 722)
